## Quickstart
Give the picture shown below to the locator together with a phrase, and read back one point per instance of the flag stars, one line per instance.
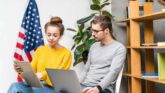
(29, 12)
(38, 37)
(34, 30)
(33, 14)
(34, 10)
(33, 39)
(27, 21)
(27, 47)
(28, 37)
(35, 25)
(36, 21)
(31, 44)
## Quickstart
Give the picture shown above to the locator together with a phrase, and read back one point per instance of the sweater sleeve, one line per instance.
(66, 62)
(85, 69)
(117, 63)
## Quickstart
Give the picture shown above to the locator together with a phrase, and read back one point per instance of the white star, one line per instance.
(36, 21)
(33, 14)
(34, 10)
(29, 12)
(37, 37)
(26, 26)
(35, 25)
(34, 30)
(26, 47)
(28, 37)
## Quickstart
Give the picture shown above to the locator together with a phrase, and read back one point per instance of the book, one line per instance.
(161, 43)
(149, 75)
(161, 65)
(149, 44)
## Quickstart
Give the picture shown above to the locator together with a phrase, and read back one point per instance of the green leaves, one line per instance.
(84, 20)
(96, 2)
(107, 14)
(82, 39)
(81, 51)
(95, 7)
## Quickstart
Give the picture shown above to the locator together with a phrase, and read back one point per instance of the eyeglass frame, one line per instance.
(96, 31)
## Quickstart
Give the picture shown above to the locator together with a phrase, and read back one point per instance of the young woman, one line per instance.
(52, 55)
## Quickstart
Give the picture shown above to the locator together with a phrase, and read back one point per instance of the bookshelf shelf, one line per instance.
(154, 16)
(148, 79)
(122, 20)
(147, 47)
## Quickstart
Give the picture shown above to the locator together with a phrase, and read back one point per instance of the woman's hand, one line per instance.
(90, 90)
(17, 68)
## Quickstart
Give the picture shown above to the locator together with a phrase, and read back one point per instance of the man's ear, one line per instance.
(107, 31)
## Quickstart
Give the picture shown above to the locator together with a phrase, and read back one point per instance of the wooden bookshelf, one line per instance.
(135, 61)
(153, 16)
(146, 47)
(148, 79)
(121, 20)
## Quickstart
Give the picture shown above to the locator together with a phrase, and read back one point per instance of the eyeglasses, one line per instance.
(96, 31)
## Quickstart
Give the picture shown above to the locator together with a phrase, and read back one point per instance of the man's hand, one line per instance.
(90, 90)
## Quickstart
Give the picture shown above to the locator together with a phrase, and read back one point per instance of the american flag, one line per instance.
(30, 34)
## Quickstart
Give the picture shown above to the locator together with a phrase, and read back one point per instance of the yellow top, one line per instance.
(46, 57)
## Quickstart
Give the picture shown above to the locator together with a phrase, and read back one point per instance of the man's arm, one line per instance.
(85, 69)
(116, 65)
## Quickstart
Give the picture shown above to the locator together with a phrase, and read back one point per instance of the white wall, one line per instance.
(11, 14)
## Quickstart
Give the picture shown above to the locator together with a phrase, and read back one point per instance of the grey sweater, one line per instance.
(103, 65)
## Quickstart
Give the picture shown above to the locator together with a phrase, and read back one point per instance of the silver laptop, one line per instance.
(28, 74)
(65, 80)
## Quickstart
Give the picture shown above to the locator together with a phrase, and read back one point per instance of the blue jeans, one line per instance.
(103, 91)
(22, 87)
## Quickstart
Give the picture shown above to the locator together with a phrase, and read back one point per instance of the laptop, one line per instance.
(28, 74)
(65, 80)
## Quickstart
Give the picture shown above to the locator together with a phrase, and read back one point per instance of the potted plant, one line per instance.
(82, 39)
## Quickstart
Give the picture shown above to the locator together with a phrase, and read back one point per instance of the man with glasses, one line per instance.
(105, 59)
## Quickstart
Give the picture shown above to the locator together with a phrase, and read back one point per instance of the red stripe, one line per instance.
(21, 35)
(29, 56)
(18, 56)
(20, 46)
(19, 78)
